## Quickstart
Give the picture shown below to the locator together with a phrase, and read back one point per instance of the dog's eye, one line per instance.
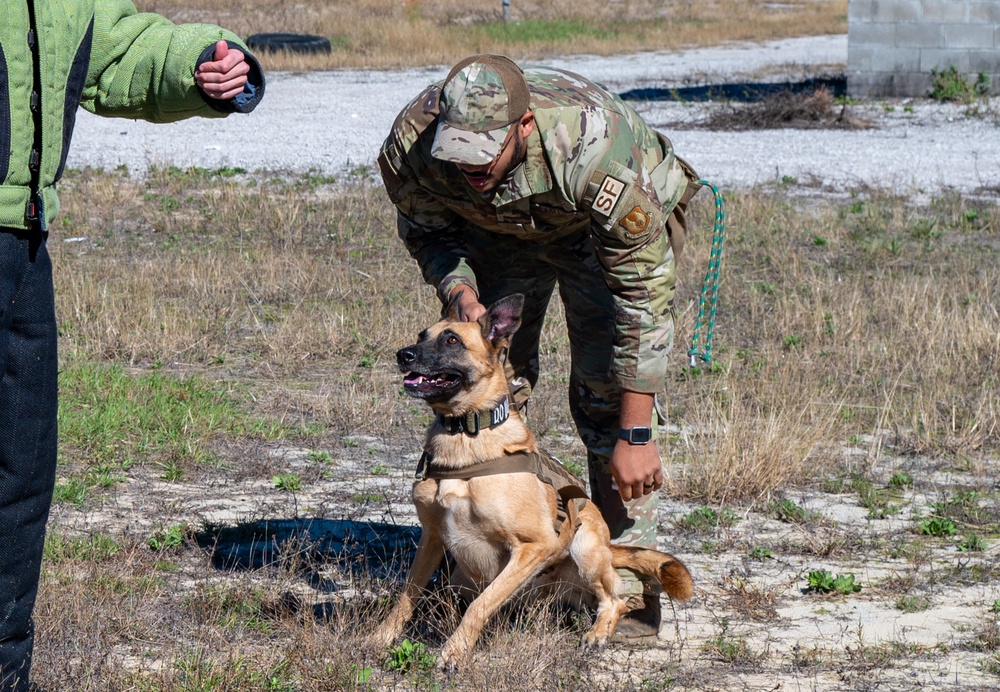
(452, 340)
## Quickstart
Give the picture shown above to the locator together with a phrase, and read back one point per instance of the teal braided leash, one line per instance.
(710, 289)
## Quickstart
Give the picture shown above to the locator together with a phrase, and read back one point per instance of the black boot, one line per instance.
(641, 623)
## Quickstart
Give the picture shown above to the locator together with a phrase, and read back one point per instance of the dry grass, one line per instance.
(857, 323)
(137, 620)
(395, 33)
(807, 110)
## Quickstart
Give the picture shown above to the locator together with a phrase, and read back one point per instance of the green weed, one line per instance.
(71, 491)
(730, 648)
(824, 582)
(952, 85)
(407, 656)
(936, 526)
(319, 457)
(964, 507)
(167, 537)
(199, 671)
(172, 471)
(912, 604)
(874, 500)
(94, 547)
(901, 480)
(707, 519)
(788, 511)
(791, 341)
(287, 482)
(972, 543)
(238, 608)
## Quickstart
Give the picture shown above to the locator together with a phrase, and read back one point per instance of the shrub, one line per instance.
(952, 85)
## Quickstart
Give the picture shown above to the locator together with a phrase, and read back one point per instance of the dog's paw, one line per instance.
(448, 665)
(452, 657)
(594, 641)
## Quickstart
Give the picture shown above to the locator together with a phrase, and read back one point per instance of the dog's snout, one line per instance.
(405, 357)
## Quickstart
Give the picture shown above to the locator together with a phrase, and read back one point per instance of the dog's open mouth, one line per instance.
(421, 385)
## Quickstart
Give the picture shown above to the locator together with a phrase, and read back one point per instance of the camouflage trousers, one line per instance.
(504, 265)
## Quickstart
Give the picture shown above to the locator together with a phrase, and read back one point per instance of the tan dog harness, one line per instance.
(570, 489)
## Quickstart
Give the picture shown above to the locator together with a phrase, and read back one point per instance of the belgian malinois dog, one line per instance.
(482, 495)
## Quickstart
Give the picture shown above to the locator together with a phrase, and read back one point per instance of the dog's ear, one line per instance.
(450, 310)
(502, 319)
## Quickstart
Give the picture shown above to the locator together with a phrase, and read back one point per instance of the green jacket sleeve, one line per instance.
(142, 65)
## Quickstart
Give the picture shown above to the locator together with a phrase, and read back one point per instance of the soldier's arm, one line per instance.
(438, 250)
(430, 231)
(628, 225)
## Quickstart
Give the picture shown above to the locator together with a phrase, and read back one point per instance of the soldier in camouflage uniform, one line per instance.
(509, 181)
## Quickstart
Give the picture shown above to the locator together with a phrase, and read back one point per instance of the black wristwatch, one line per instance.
(636, 436)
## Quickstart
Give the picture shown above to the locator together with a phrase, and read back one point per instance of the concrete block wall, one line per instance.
(893, 45)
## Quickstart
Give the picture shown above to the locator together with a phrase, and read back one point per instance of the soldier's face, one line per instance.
(486, 178)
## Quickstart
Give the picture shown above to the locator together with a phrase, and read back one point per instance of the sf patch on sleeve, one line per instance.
(622, 214)
(608, 193)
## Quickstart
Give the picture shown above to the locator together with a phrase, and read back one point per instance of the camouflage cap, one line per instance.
(481, 98)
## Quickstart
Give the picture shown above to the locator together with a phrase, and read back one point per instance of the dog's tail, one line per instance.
(666, 569)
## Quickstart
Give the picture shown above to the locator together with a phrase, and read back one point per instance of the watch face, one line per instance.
(641, 436)
(636, 436)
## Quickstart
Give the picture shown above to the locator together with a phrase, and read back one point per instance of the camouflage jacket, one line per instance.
(591, 163)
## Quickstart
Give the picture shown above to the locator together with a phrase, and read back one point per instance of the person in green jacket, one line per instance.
(112, 60)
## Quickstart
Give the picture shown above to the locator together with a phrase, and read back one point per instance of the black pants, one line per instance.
(28, 408)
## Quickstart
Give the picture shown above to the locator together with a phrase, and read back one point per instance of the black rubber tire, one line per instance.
(293, 43)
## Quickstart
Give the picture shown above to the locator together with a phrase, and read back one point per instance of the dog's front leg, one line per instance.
(525, 562)
(430, 550)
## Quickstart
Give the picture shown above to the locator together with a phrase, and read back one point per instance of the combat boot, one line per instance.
(641, 622)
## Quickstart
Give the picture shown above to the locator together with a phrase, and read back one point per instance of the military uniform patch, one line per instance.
(636, 221)
(607, 195)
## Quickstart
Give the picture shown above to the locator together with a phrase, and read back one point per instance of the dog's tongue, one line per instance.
(414, 379)
(421, 382)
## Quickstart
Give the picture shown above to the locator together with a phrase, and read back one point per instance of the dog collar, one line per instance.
(474, 421)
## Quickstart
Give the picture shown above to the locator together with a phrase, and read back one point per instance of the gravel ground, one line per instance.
(332, 122)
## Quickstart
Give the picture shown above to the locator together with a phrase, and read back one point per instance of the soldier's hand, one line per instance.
(636, 469)
(224, 76)
(469, 307)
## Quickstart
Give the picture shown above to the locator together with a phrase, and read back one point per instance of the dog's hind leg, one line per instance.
(592, 556)
(526, 561)
(430, 550)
